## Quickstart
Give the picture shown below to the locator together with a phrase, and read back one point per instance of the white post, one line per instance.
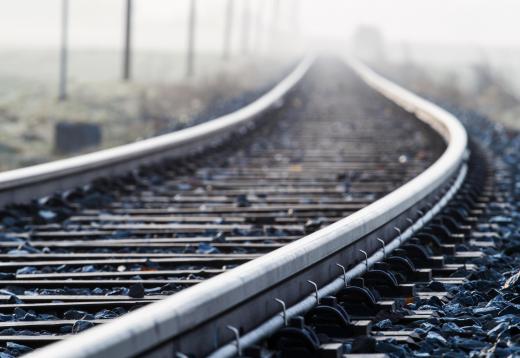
(63, 52)
(127, 52)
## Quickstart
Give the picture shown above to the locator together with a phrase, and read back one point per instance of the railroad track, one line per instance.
(392, 304)
(337, 164)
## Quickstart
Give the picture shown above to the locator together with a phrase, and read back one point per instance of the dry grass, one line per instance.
(126, 111)
(477, 86)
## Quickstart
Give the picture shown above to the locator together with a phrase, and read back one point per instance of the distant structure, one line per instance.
(368, 43)
(70, 138)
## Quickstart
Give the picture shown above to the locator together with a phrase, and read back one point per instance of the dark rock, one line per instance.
(485, 310)
(184, 186)
(475, 330)
(136, 290)
(242, 201)
(19, 313)
(122, 291)
(105, 314)
(501, 327)
(364, 344)
(47, 215)
(426, 347)
(66, 329)
(435, 301)
(8, 332)
(151, 264)
(74, 314)
(170, 287)
(88, 268)
(435, 338)
(313, 225)
(453, 309)
(468, 344)
(450, 327)
(16, 347)
(26, 332)
(153, 290)
(18, 252)
(384, 324)
(512, 309)
(120, 234)
(119, 311)
(5, 317)
(16, 290)
(220, 237)
(393, 316)
(14, 299)
(80, 326)
(205, 248)
(27, 270)
(98, 291)
(29, 317)
(393, 350)
(47, 317)
(436, 286)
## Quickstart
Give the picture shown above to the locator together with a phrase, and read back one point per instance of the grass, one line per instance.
(127, 112)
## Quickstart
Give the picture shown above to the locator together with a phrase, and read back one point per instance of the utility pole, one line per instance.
(257, 32)
(127, 52)
(274, 23)
(63, 52)
(228, 27)
(245, 26)
(190, 59)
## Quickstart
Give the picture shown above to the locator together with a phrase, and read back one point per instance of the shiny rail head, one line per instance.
(44, 179)
(449, 128)
(146, 328)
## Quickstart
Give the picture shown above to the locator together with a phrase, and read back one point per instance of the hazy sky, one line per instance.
(161, 24)
(475, 22)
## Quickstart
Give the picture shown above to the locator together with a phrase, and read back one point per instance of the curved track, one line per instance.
(74, 260)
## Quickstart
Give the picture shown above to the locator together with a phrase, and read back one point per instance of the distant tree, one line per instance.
(368, 43)
(491, 87)
(483, 76)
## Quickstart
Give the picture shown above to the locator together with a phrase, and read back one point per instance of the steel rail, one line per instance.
(150, 327)
(43, 179)
(278, 321)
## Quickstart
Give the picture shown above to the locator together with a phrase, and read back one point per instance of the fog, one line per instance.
(492, 23)
(161, 24)
(441, 32)
(449, 44)
(158, 24)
